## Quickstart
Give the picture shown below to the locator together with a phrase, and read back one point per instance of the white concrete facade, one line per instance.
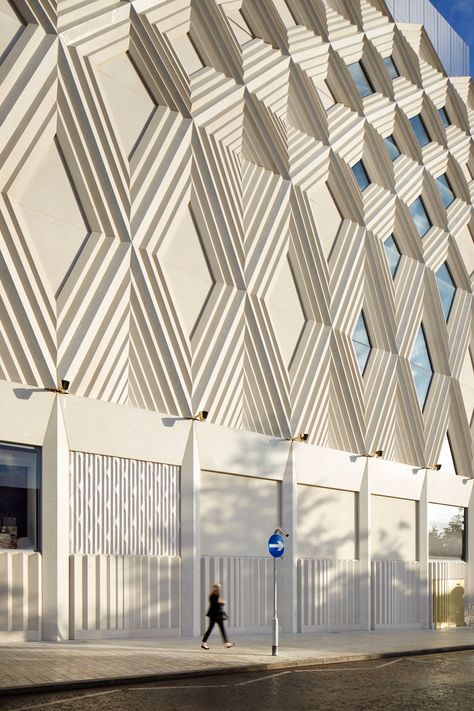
(182, 230)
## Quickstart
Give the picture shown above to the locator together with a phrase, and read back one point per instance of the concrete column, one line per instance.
(423, 556)
(290, 557)
(365, 555)
(55, 527)
(190, 538)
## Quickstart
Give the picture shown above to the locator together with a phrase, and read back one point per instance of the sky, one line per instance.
(460, 15)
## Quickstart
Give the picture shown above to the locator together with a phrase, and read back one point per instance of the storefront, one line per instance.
(20, 477)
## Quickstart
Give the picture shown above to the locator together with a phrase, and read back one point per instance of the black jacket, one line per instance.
(216, 608)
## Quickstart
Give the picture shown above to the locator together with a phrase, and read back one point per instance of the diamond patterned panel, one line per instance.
(181, 230)
(186, 269)
(286, 312)
(56, 228)
(122, 88)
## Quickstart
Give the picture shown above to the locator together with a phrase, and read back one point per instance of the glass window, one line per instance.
(360, 175)
(446, 530)
(19, 496)
(392, 253)
(420, 217)
(446, 289)
(446, 194)
(444, 117)
(420, 365)
(391, 147)
(364, 87)
(420, 131)
(391, 68)
(361, 342)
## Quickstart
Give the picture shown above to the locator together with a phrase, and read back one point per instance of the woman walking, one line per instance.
(217, 615)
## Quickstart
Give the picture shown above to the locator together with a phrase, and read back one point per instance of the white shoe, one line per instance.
(230, 644)
(204, 646)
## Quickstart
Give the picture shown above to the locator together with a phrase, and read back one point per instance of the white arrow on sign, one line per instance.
(279, 546)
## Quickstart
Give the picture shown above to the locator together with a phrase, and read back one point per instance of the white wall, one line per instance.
(240, 511)
(20, 596)
(394, 535)
(327, 525)
(238, 514)
(329, 594)
(396, 598)
(124, 596)
(247, 588)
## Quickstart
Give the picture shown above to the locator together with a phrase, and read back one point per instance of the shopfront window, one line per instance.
(446, 527)
(19, 497)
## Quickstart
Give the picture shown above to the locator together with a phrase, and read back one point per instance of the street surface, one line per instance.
(443, 682)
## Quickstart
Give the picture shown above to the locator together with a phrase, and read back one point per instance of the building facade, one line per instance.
(450, 47)
(236, 258)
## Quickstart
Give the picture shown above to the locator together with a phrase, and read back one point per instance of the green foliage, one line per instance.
(447, 541)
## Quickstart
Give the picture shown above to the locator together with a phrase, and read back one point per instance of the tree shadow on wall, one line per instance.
(328, 569)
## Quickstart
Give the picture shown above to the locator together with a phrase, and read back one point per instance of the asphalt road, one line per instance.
(441, 682)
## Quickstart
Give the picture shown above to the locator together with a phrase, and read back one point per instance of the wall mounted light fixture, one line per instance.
(301, 437)
(62, 387)
(433, 467)
(200, 417)
(376, 454)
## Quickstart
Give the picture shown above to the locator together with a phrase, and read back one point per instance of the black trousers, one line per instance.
(212, 622)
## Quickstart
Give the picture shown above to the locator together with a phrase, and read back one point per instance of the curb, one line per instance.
(199, 673)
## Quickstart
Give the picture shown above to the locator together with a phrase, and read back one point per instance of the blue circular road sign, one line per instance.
(276, 545)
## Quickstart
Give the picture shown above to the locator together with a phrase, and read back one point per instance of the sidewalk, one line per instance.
(34, 666)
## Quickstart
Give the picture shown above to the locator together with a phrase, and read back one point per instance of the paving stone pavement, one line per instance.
(93, 663)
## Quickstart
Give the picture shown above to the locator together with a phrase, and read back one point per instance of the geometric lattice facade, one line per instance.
(262, 209)
(181, 229)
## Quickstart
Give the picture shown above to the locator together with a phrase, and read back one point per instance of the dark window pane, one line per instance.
(360, 175)
(446, 530)
(420, 218)
(446, 194)
(420, 131)
(444, 117)
(421, 369)
(19, 495)
(392, 253)
(446, 289)
(391, 68)
(361, 342)
(360, 78)
(391, 147)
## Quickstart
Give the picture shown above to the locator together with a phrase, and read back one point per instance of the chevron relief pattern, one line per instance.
(181, 227)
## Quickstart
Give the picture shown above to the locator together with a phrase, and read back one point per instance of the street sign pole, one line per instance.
(275, 611)
(276, 548)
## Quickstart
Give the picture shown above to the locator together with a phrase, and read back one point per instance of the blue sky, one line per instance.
(460, 15)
